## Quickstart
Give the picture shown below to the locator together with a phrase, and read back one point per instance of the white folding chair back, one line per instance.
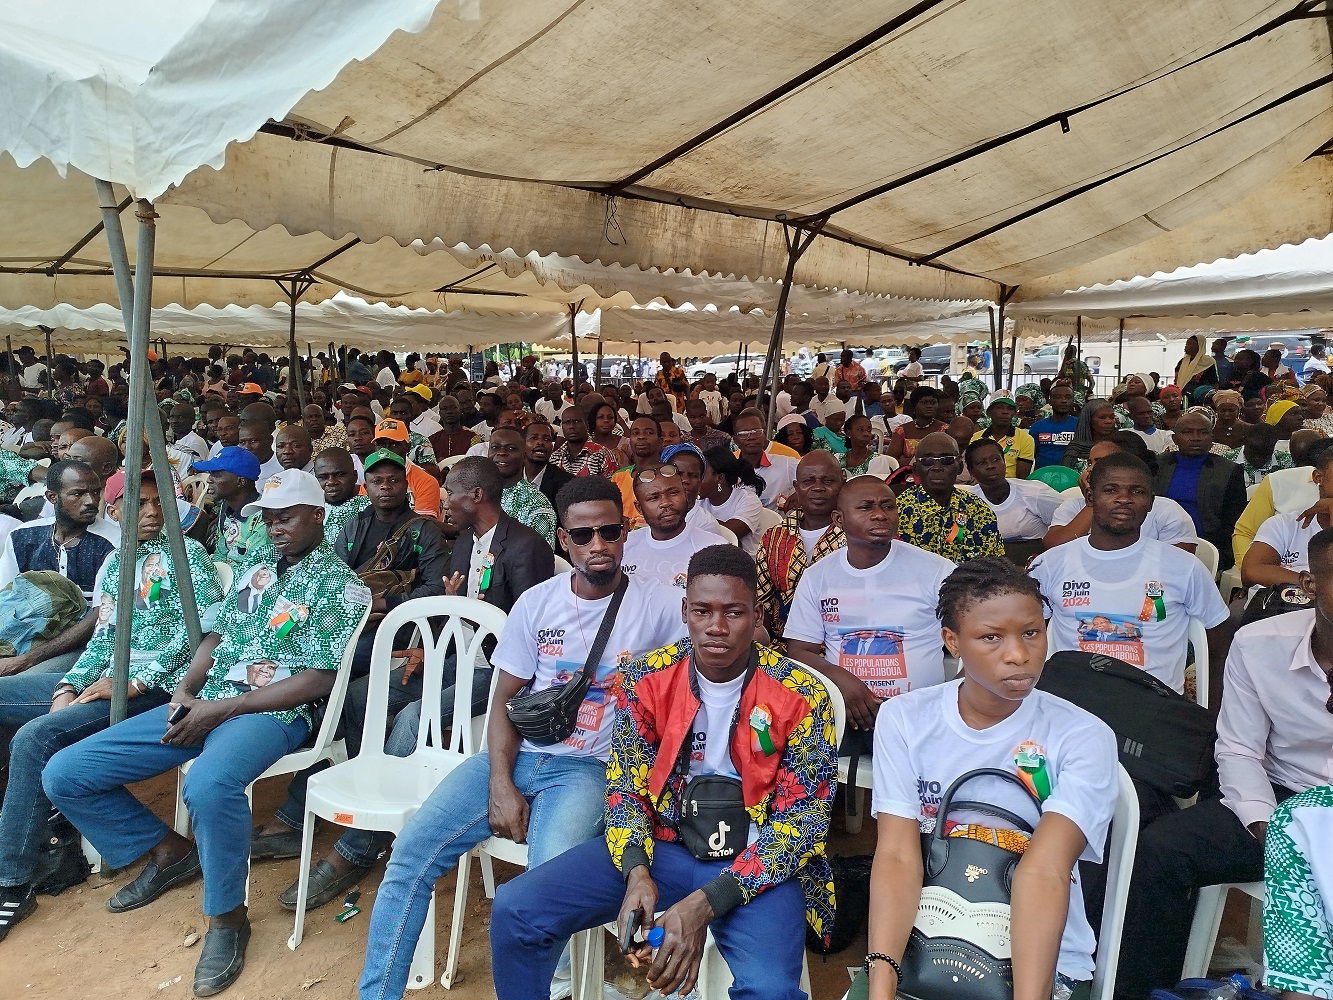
(374, 791)
(1119, 858)
(1208, 555)
(450, 462)
(728, 534)
(764, 520)
(224, 575)
(1198, 640)
(324, 747)
(29, 492)
(1072, 491)
(1208, 918)
(193, 487)
(562, 565)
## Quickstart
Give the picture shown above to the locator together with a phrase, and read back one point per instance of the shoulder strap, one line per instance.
(604, 629)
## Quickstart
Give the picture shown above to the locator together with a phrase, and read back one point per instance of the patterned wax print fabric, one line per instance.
(336, 517)
(965, 529)
(590, 460)
(232, 537)
(159, 647)
(1254, 474)
(529, 507)
(1298, 910)
(780, 560)
(419, 450)
(274, 624)
(13, 475)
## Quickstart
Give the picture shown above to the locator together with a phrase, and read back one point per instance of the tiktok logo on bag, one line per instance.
(717, 843)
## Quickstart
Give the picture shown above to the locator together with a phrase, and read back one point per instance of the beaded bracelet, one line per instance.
(876, 956)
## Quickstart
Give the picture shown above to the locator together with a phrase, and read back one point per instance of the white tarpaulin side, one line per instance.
(1022, 138)
(342, 320)
(1284, 280)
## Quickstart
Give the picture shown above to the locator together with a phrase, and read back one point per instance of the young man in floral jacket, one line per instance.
(720, 787)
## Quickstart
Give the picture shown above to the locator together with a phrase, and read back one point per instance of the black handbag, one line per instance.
(1277, 600)
(549, 716)
(959, 946)
(714, 825)
(1164, 739)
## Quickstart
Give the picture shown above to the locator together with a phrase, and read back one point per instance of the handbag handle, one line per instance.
(947, 803)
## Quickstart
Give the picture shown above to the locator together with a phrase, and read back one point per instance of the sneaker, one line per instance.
(16, 902)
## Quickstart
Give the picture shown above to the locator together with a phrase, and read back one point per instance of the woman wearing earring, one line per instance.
(730, 492)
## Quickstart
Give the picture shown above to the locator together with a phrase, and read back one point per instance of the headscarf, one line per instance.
(1311, 387)
(1170, 390)
(1033, 392)
(1276, 410)
(1189, 368)
(669, 453)
(1226, 396)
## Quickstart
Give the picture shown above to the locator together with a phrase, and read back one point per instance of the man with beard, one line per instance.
(661, 550)
(336, 475)
(538, 446)
(561, 788)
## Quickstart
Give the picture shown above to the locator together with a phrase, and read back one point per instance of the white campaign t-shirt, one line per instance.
(877, 623)
(743, 505)
(646, 558)
(922, 745)
(1028, 510)
(547, 637)
(1132, 603)
(1167, 521)
(1156, 439)
(1284, 534)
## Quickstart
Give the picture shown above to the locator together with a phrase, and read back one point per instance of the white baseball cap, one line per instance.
(289, 488)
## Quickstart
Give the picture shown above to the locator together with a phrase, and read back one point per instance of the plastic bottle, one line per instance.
(654, 937)
(1235, 986)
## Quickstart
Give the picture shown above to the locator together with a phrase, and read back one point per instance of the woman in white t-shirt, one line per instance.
(1279, 553)
(730, 492)
(993, 717)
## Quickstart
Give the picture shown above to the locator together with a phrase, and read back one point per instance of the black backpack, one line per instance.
(1165, 740)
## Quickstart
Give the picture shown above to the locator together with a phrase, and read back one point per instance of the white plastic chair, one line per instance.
(450, 462)
(1072, 491)
(193, 487)
(29, 492)
(582, 949)
(1209, 556)
(727, 534)
(562, 565)
(373, 791)
(1207, 920)
(1120, 850)
(324, 747)
(764, 520)
(224, 575)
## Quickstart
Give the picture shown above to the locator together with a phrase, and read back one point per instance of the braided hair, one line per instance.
(979, 580)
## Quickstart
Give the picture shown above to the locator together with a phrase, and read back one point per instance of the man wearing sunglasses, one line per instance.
(661, 550)
(940, 517)
(1273, 737)
(549, 797)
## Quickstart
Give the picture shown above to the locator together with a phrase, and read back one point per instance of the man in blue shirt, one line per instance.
(1052, 434)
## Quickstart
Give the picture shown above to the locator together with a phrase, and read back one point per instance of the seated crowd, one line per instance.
(898, 563)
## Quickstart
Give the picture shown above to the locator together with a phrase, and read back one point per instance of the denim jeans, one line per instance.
(363, 847)
(25, 703)
(87, 783)
(762, 941)
(566, 795)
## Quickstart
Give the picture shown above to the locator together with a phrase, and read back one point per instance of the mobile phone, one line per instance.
(631, 925)
(177, 713)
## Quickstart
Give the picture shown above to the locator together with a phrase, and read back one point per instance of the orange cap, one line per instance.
(248, 389)
(394, 430)
(152, 354)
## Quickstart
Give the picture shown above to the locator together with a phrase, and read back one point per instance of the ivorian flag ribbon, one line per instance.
(760, 720)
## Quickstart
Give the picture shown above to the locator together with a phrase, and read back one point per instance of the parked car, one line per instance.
(935, 359)
(1046, 361)
(1295, 348)
(724, 364)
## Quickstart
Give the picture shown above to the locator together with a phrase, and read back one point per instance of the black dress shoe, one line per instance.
(153, 881)
(265, 846)
(325, 885)
(221, 959)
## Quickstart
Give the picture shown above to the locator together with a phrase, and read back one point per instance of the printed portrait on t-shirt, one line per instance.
(1120, 636)
(106, 612)
(259, 674)
(153, 582)
(876, 656)
(253, 584)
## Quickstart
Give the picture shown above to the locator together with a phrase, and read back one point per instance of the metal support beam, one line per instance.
(50, 380)
(574, 350)
(295, 288)
(136, 297)
(1120, 351)
(798, 239)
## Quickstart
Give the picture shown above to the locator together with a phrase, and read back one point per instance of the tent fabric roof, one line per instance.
(341, 320)
(1021, 139)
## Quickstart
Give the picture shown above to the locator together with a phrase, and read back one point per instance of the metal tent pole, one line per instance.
(994, 350)
(597, 372)
(9, 363)
(294, 293)
(136, 298)
(574, 349)
(798, 239)
(1120, 351)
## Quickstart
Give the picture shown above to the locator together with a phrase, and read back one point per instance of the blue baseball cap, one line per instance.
(237, 461)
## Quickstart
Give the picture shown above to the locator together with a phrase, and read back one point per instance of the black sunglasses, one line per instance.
(607, 532)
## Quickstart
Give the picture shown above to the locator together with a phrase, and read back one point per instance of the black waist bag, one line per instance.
(714, 825)
(1165, 740)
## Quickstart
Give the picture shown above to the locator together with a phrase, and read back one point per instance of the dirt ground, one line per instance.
(73, 948)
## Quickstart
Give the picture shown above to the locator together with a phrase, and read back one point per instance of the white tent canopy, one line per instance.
(341, 320)
(1023, 139)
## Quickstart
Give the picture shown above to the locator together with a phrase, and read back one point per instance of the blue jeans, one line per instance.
(363, 847)
(566, 795)
(25, 703)
(87, 783)
(763, 941)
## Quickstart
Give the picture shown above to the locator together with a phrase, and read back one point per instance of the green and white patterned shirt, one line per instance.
(275, 625)
(336, 517)
(13, 475)
(159, 648)
(529, 507)
(419, 450)
(232, 538)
